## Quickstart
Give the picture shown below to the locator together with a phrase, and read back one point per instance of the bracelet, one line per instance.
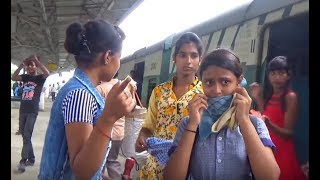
(190, 130)
(104, 134)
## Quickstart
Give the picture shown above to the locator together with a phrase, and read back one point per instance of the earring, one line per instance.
(106, 62)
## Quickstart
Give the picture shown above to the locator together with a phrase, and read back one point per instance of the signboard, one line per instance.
(52, 66)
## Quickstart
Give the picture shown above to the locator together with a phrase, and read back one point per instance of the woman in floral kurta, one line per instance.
(168, 101)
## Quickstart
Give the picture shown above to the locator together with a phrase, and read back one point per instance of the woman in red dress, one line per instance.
(280, 111)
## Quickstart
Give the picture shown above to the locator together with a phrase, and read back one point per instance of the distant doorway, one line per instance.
(138, 76)
(290, 38)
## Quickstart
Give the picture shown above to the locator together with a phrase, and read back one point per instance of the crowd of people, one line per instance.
(17, 88)
(54, 89)
(203, 114)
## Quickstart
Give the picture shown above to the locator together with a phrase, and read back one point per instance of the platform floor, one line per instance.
(37, 141)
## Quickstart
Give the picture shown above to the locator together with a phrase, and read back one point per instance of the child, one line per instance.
(219, 140)
(279, 110)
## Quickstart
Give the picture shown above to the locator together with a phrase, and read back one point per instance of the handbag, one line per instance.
(132, 127)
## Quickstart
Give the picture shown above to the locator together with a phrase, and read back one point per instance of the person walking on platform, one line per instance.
(29, 106)
(53, 91)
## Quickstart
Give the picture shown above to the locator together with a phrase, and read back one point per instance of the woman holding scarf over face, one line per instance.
(219, 140)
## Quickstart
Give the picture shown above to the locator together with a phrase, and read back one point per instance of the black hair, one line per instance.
(96, 36)
(277, 63)
(188, 37)
(30, 60)
(224, 58)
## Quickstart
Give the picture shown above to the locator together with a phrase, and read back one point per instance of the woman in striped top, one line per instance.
(78, 136)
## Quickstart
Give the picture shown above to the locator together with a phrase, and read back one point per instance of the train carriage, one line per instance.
(256, 31)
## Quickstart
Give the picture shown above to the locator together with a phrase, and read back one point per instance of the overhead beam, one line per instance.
(104, 7)
(15, 38)
(27, 46)
(96, 5)
(64, 22)
(128, 12)
(70, 15)
(36, 10)
(46, 28)
(28, 20)
(19, 1)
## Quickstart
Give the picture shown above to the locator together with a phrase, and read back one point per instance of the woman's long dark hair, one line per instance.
(277, 63)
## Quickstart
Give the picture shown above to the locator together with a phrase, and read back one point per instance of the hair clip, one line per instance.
(84, 42)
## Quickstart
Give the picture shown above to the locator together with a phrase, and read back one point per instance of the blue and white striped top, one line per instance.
(79, 106)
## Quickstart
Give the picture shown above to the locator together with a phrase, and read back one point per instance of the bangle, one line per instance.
(103, 133)
(190, 130)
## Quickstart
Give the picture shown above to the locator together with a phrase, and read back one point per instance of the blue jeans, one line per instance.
(26, 123)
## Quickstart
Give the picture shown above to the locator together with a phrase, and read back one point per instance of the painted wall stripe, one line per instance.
(208, 44)
(235, 36)
(254, 45)
(301, 7)
(287, 11)
(214, 40)
(262, 19)
(221, 37)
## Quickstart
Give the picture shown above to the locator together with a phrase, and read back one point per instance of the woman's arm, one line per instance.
(148, 125)
(181, 156)
(290, 117)
(262, 161)
(87, 144)
(87, 149)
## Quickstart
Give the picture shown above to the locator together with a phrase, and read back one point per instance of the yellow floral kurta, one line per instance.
(164, 114)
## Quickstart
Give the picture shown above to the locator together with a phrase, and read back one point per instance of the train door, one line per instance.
(265, 46)
(290, 38)
(138, 76)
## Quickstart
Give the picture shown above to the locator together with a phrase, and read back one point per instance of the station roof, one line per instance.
(38, 26)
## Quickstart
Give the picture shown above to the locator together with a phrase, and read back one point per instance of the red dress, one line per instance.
(285, 154)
